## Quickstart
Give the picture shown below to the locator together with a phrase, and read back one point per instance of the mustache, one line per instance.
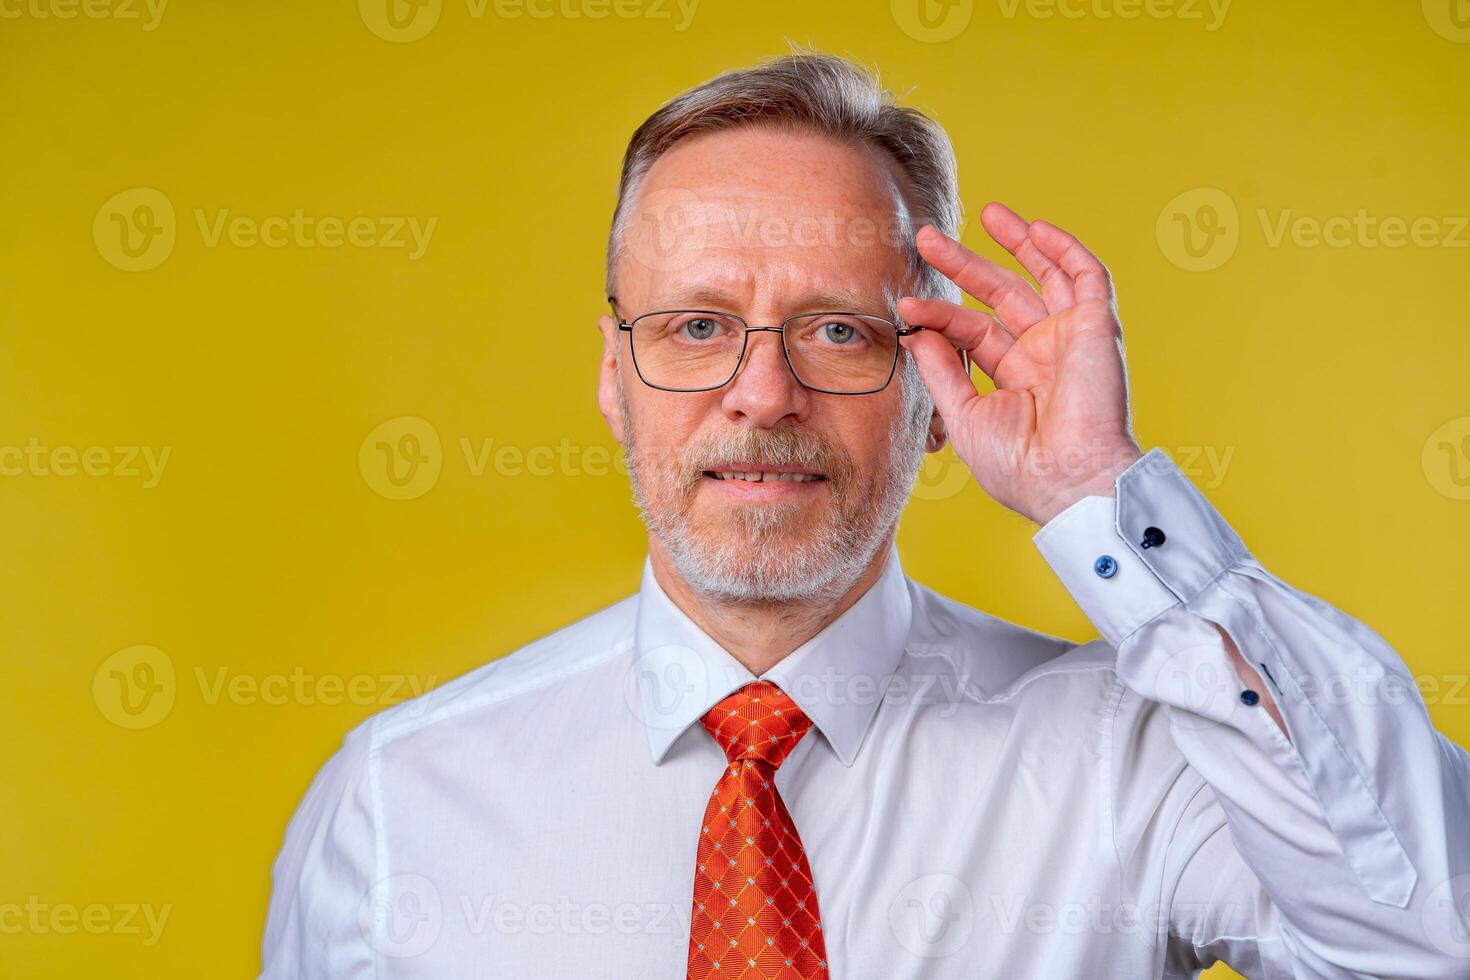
(787, 446)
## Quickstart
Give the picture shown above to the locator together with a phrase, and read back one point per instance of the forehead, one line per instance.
(770, 214)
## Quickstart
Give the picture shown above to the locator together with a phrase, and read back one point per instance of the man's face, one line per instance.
(765, 224)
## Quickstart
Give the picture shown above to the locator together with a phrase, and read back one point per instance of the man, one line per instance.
(783, 758)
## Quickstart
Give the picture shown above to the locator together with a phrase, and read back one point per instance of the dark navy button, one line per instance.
(1152, 537)
(1249, 697)
(1105, 566)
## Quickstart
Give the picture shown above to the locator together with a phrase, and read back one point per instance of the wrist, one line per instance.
(1097, 480)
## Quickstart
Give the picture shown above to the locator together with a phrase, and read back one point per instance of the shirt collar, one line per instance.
(837, 677)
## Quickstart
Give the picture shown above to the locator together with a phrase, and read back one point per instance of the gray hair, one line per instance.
(826, 94)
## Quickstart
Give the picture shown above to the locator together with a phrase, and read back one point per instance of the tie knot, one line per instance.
(759, 722)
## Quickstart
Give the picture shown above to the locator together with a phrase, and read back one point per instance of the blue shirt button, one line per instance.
(1152, 538)
(1105, 567)
(1249, 697)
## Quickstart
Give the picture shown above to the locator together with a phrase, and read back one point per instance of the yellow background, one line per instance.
(1319, 376)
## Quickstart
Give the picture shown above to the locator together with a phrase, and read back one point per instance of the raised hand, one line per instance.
(1056, 427)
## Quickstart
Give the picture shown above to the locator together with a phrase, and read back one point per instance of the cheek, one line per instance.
(665, 419)
(864, 435)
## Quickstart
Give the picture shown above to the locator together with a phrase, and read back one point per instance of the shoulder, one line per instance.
(549, 666)
(545, 666)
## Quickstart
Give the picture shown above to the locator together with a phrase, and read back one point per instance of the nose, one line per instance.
(764, 391)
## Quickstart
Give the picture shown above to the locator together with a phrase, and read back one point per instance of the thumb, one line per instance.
(949, 384)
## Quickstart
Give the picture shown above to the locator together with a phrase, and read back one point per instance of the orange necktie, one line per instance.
(755, 905)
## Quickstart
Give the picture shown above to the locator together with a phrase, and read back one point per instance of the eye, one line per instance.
(838, 332)
(701, 328)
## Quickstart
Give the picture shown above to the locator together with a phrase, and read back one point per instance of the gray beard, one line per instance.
(760, 557)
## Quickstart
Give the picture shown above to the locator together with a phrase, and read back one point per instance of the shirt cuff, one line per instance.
(1127, 559)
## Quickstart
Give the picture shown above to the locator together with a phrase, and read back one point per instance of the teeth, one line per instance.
(765, 477)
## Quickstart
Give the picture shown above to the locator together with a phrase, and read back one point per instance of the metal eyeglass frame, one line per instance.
(626, 326)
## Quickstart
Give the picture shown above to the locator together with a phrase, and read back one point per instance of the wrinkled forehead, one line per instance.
(773, 214)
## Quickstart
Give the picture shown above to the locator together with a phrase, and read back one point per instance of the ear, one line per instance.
(938, 436)
(607, 376)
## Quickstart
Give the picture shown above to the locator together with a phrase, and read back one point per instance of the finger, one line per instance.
(1004, 291)
(975, 332)
(1010, 230)
(1091, 279)
(948, 382)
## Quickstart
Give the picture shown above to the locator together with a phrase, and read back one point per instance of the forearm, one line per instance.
(1352, 812)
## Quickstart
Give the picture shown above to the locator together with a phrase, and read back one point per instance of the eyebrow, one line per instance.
(817, 301)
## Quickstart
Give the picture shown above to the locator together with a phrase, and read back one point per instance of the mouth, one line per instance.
(762, 479)
(763, 475)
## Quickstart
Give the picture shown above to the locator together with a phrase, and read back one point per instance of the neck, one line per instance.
(760, 634)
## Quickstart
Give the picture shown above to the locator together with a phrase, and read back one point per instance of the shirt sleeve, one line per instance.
(1357, 827)
(323, 914)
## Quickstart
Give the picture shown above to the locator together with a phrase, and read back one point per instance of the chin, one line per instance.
(778, 564)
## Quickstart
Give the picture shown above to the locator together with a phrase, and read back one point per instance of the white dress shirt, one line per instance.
(975, 799)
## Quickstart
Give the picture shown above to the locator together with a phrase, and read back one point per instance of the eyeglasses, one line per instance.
(700, 350)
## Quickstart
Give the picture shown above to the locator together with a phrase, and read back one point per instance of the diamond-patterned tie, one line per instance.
(755, 905)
